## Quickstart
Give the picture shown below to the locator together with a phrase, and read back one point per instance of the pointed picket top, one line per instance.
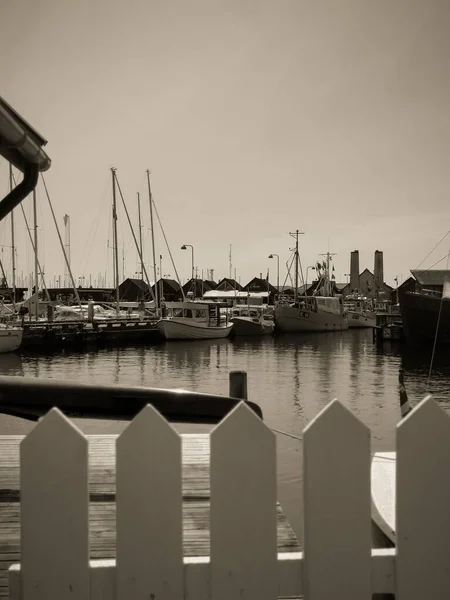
(243, 508)
(54, 426)
(337, 509)
(54, 510)
(149, 509)
(242, 420)
(333, 414)
(423, 500)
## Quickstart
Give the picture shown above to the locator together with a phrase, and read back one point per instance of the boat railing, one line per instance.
(337, 559)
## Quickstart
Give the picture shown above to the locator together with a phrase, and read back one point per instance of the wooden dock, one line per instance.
(80, 334)
(196, 501)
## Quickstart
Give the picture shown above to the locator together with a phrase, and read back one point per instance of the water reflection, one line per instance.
(11, 364)
(292, 377)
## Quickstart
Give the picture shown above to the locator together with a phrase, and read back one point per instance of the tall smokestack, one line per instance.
(378, 274)
(354, 270)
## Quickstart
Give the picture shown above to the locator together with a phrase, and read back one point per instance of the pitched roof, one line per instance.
(431, 276)
(140, 283)
(171, 283)
(231, 282)
(258, 282)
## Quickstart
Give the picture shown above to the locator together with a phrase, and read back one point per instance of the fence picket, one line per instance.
(243, 508)
(337, 510)
(54, 511)
(423, 503)
(149, 510)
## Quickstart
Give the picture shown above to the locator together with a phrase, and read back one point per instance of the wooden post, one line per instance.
(238, 385)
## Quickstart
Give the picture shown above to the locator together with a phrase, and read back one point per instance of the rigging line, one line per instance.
(77, 297)
(168, 249)
(135, 241)
(41, 273)
(291, 435)
(433, 250)
(288, 274)
(437, 330)
(92, 235)
(436, 263)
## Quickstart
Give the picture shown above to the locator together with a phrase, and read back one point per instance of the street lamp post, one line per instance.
(278, 270)
(185, 247)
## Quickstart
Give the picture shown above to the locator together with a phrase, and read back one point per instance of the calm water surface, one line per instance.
(291, 377)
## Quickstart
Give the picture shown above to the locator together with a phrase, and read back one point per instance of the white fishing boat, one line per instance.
(359, 312)
(320, 312)
(251, 320)
(10, 338)
(192, 321)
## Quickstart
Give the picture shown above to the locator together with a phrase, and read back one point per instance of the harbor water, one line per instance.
(292, 377)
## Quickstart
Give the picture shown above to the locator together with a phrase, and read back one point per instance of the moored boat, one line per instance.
(193, 321)
(312, 313)
(251, 321)
(422, 312)
(322, 311)
(10, 338)
(359, 312)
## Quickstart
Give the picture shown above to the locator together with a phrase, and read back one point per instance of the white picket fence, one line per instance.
(337, 562)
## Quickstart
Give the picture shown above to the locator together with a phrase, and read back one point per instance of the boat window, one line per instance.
(188, 313)
(177, 312)
(169, 312)
(200, 313)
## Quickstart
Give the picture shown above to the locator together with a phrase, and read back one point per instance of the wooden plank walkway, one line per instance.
(196, 501)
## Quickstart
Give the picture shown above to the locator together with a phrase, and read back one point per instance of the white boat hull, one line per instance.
(292, 320)
(10, 339)
(172, 329)
(356, 319)
(248, 326)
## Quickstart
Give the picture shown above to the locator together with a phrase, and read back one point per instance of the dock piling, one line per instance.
(238, 385)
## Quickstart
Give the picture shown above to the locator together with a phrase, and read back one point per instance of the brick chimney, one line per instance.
(354, 270)
(378, 274)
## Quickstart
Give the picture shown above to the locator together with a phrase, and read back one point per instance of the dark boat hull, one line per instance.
(31, 399)
(420, 313)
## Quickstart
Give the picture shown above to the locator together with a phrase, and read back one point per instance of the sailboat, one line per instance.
(321, 312)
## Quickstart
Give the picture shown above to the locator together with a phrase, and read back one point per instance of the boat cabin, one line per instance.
(200, 312)
(330, 304)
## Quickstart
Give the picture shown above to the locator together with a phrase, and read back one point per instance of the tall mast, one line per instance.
(150, 199)
(140, 237)
(36, 266)
(115, 245)
(327, 274)
(296, 254)
(67, 248)
(13, 248)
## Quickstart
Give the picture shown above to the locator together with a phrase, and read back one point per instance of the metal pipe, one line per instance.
(19, 193)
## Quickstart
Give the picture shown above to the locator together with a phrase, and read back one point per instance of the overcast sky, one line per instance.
(255, 118)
